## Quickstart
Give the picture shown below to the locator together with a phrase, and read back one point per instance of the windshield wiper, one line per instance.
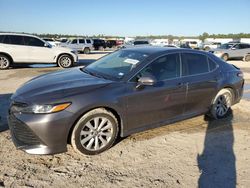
(93, 73)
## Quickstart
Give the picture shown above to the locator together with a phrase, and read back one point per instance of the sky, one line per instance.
(126, 17)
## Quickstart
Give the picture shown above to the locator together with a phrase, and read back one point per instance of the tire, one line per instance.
(221, 105)
(225, 57)
(247, 58)
(207, 48)
(86, 51)
(4, 62)
(89, 136)
(101, 48)
(65, 61)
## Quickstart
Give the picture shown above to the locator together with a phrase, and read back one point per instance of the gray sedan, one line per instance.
(233, 50)
(128, 91)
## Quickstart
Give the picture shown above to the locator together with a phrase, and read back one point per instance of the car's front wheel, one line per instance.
(4, 62)
(222, 104)
(65, 61)
(225, 57)
(95, 132)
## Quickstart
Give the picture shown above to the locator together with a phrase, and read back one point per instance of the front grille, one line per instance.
(23, 135)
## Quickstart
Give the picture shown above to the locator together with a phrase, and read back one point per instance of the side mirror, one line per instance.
(47, 45)
(145, 81)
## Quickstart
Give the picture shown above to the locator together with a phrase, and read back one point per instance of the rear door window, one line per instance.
(16, 40)
(88, 41)
(81, 41)
(193, 64)
(212, 65)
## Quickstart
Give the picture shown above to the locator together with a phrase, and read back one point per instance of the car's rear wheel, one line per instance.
(95, 132)
(65, 61)
(86, 51)
(4, 62)
(247, 58)
(225, 57)
(101, 48)
(207, 48)
(222, 104)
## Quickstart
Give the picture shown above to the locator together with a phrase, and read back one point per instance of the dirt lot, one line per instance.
(191, 153)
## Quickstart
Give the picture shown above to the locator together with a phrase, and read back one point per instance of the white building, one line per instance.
(221, 40)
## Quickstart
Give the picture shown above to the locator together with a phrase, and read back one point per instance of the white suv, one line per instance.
(22, 48)
(80, 45)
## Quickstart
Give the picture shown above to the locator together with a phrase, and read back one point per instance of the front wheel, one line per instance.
(65, 61)
(222, 104)
(4, 62)
(225, 57)
(95, 132)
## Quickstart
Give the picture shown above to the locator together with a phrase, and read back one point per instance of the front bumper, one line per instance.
(40, 133)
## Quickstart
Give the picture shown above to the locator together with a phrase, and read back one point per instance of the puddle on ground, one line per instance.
(246, 94)
(247, 87)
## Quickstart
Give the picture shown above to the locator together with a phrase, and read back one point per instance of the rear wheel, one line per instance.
(225, 57)
(207, 48)
(247, 58)
(101, 48)
(86, 51)
(4, 62)
(222, 104)
(65, 61)
(95, 132)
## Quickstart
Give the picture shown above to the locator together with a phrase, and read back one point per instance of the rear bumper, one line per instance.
(40, 134)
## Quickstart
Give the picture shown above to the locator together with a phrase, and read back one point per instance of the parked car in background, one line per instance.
(233, 50)
(52, 42)
(114, 43)
(99, 44)
(63, 40)
(84, 45)
(185, 45)
(209, 46)
(171, 46)
(137, 43)
(22, 48)
(125, 92)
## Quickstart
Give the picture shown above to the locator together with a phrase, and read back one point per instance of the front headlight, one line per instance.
(40, 109)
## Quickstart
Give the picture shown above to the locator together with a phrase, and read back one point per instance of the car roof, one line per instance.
(151, 50)
(18, 34)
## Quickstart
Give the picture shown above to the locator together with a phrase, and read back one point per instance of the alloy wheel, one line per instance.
(65, 61)
(4, 62)
(223, 104)
(96, 133)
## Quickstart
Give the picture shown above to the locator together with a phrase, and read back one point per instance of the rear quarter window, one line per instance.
(212, 65)
(193, 64)
(1, 38)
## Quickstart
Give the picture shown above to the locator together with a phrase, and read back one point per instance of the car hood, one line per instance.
(58, 85)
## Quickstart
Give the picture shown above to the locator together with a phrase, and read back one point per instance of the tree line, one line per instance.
(202, 37)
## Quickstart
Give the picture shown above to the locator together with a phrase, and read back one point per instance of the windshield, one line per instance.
(116, 65)
(226, 46)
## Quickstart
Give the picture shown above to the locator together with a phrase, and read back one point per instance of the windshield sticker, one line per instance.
(131, 61)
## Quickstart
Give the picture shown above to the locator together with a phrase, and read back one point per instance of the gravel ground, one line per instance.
(191, 153)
